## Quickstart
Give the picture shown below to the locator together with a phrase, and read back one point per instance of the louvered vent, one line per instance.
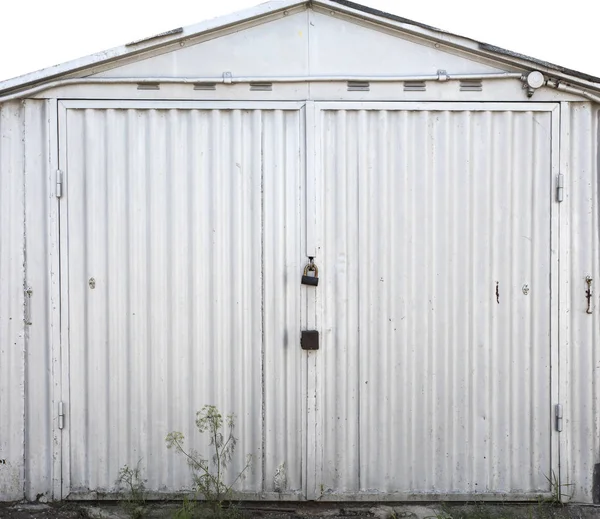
(148, 86)
(415, 86)
(261, 87)
(205, 86)
(471, 85)
(359, 86)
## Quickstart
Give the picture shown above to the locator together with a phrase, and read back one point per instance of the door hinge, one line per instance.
(61, 414)
(558, 413)
(560, 187)
(59, 183)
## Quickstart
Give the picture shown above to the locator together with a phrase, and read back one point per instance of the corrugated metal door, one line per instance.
(438, 319)
(181, 247)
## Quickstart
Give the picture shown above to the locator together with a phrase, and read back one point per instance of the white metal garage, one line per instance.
(160, 201)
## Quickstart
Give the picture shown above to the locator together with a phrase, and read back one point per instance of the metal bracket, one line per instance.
(443, 75)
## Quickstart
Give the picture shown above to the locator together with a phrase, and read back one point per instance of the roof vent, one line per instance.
(148, 86)
(414, 86)
(261, 87)
(471, 85)
(205, 86)
(359, 86)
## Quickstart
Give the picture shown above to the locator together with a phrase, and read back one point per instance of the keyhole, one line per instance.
(92, 283)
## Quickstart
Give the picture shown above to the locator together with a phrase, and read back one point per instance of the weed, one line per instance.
(477, 510)
(208, 475)
(187, 509)
(134, 494)
(556, 491)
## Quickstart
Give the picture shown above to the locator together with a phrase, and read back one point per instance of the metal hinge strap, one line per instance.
(61, 414)
(560, 187)
(59, 183)
(558, 413)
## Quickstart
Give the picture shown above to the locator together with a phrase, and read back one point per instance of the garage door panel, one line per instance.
(282, 264)
(437, 295)
(340, 355)
(184, 239)
(165, 283)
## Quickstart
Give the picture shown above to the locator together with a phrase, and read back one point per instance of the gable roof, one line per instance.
(77, 68)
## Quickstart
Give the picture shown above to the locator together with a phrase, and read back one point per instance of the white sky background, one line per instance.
(35, 34)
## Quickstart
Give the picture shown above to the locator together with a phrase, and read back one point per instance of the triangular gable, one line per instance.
(306, 43)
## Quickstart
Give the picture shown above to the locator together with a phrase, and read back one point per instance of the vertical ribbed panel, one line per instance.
(581, 335)
(12, 231)
(436, 364)
(282, 354)
(168, 265)
(41, 280)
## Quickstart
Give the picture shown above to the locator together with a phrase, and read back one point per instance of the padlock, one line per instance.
(313, 281)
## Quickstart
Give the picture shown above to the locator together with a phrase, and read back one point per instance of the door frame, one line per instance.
(61, 479)
(311, 303)
(316, 199)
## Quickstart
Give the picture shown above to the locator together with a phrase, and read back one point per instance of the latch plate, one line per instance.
(310, 340)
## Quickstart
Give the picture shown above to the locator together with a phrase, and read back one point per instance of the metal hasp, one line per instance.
(558, 413)
(310, 280)
(61, 414)
(310, 340)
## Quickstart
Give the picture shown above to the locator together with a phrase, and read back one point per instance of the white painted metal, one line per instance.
(107, 56)
(580, 333)
(578, 330)
(258, 79)
(42, 347)
(296, 388)
(12, 301)
(435, 374)
(578, 91)
(510, 90)
(182, 228)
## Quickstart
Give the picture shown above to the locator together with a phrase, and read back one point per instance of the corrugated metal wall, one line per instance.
(42, 440)
(183, 256)
(580, 337)
(27, 394)
(437, 364)
(12, 333)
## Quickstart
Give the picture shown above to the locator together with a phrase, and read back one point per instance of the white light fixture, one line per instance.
(535, 79)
